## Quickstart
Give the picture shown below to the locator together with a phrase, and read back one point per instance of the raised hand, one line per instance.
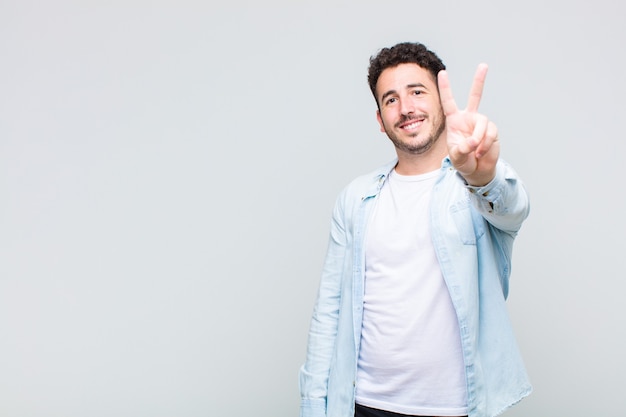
(473, 145)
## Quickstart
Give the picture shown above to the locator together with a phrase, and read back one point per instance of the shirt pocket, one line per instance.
(469, 224)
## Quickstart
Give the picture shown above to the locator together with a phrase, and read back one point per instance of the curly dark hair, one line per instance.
(402, 53)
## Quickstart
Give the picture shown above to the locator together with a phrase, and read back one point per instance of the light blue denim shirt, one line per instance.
(472, 229)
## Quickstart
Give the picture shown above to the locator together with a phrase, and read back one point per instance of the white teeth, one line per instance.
(411, 126)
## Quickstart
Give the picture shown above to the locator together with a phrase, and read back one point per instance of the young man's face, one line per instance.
(409, 108)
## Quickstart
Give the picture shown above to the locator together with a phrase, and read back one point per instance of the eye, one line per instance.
(417, 92)
(390, 100)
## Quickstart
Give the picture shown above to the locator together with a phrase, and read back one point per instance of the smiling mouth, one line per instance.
(411, 124)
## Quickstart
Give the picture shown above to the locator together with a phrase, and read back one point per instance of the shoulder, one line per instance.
(365, 184)
(362, 187)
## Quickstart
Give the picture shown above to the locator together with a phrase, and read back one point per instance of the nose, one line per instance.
(407, 106)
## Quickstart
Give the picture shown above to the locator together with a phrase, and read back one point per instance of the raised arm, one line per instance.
(473, 145)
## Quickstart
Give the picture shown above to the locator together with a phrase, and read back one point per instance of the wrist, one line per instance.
(479, 180)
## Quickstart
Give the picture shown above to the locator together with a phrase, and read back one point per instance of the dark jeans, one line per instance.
(363, 411)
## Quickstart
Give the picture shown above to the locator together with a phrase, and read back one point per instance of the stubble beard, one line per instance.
(418, 148)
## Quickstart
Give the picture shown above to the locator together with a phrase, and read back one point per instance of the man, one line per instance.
(410, 317)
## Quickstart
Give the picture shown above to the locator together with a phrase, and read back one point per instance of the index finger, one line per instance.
(476, 91)
(445, 94)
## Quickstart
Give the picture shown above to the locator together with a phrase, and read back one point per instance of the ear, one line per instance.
(380, 121)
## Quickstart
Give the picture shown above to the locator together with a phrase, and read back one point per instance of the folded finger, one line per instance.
(491, 136)
(480, 130)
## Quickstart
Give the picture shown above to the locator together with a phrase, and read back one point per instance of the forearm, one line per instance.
(503, 201)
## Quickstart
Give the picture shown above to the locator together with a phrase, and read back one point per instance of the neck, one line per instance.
(416, 164)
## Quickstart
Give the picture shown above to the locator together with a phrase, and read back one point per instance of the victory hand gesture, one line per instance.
(473, 145)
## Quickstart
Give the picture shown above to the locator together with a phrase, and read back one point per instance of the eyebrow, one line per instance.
(390, 92)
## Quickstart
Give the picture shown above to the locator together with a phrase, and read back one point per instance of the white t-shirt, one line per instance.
(410, 360)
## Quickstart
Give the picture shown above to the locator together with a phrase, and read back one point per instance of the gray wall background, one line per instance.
(168, 170)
